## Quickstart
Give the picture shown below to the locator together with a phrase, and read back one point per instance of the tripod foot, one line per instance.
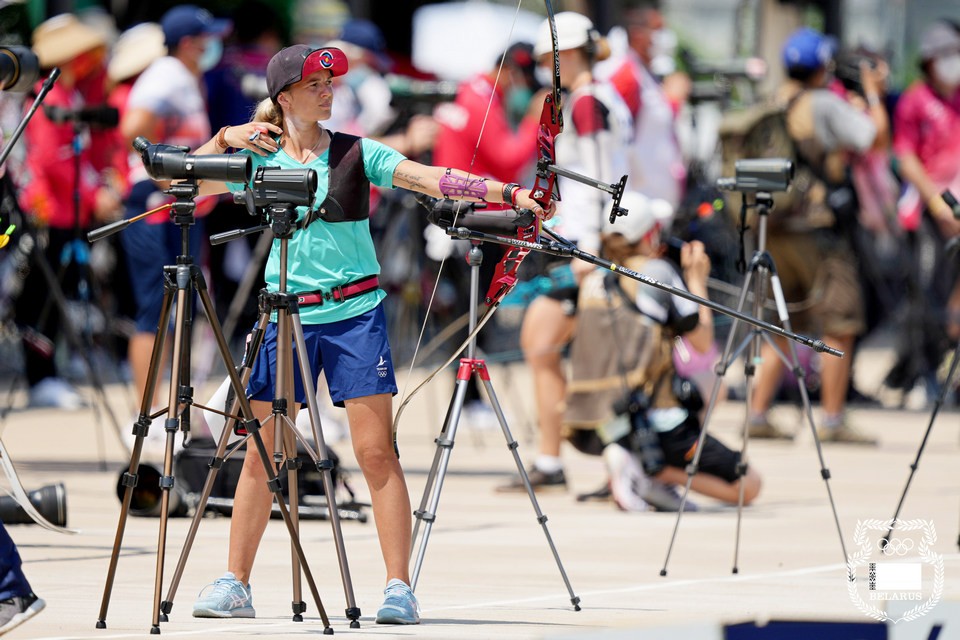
(297, 617)
(101, 624)
(328, 631)
(575, 601)
(353, 614)
(155, 630)
(164, 618)
(735, 571)
(663, 573)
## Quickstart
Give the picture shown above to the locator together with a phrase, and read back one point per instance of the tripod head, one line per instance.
(760, 177)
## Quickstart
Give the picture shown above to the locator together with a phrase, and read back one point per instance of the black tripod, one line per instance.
(471, 366)
(28, 255)
(181, 281)
(286, 306)
(760, 272)
(947, 387)
(29, 252)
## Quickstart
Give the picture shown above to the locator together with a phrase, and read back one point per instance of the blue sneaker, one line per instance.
(400, 606)
(225, 598)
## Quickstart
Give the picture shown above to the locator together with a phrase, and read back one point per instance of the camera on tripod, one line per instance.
(98, 116)
(273, 185)
(19, 69)
(167, 162)
(847, 69)
(759, 174)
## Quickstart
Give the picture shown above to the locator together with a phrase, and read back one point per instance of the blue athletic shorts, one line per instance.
(354, 355)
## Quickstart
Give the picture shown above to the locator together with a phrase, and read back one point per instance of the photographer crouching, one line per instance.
(625, 399)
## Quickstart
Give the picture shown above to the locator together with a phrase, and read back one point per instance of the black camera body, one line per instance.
(98, 116)
(847, 69)
(19, 69)
(273, 185)
(167, 162)
(759, 174)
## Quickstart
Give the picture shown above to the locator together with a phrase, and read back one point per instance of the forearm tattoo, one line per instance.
(412, 181)
(454, 186)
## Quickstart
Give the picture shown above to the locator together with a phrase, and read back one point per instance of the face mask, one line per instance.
(663, 49)
(212, 52)
(543, 76)
(663, 42)
(948, 70)
(517, 100)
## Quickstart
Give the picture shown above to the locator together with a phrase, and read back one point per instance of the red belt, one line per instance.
(341, 292)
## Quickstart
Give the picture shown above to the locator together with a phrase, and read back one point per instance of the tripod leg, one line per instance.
(761, 264)
(794, 362)
(726, 359)
(253, 428)
(325, 467)
(484, 376)
(181, 340)
(427, 513)
(947, 386)
(283, 456)
(217, 461)
(140, 430)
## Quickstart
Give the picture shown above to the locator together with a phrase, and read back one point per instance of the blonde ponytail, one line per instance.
(268, 111)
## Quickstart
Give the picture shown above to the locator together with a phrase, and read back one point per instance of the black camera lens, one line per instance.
(167, 162)
(19, 69)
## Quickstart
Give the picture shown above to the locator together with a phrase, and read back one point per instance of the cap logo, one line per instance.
(326, 59)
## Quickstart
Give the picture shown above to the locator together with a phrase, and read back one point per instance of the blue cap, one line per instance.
(367, 35)
(189, 20)
(808, 49)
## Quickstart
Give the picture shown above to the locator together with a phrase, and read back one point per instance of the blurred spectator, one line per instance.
(362, 100)
(657, 169)
(134, 51)
(484, 104)
(18, 603)
(621, 355)
(812, 254)
(595, 143)
(233, 89)
(165, 105)
(63, 189)
(238, 81)
(501, 152)
(927, 144)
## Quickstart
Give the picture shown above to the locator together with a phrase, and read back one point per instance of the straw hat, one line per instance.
(63, 38)
(136, 48)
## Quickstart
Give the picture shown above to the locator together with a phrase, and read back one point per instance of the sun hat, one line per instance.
(62, 38)
(134, 50)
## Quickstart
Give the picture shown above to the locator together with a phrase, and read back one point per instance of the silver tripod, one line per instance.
(470, 365)
(761, 270)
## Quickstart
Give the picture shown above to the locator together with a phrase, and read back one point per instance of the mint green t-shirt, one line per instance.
(328, 254)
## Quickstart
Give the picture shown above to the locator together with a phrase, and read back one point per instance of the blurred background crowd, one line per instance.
(691, 78)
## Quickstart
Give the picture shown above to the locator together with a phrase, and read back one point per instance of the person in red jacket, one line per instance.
(49, 184)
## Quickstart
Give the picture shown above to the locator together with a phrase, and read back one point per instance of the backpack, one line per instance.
(759, 131)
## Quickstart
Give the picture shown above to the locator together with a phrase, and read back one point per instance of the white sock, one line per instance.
(548, 464)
